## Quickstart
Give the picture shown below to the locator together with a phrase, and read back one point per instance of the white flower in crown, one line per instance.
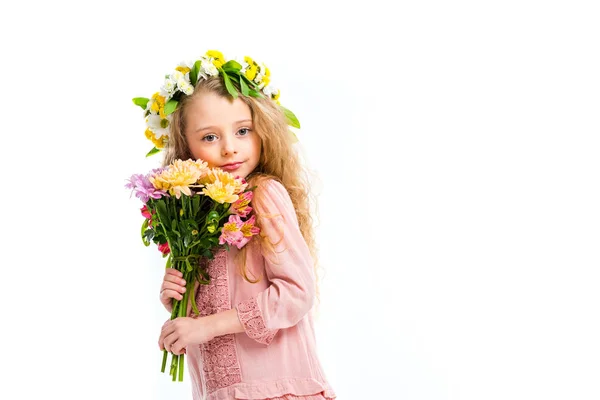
(155, 124)
(168, 88)
(243, 63)
(259, 76)
(149, 106)
(270, 90)
(209, 68)
(185, 86)
(176, 76)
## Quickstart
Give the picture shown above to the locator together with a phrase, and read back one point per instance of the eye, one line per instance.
(244, 131)
(209, 138)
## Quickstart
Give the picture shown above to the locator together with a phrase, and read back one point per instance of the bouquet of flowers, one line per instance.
(189, 211)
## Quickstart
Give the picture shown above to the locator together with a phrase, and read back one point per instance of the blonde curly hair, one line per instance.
(278, 160)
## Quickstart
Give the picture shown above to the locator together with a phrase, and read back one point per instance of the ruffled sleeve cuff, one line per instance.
(252, 319)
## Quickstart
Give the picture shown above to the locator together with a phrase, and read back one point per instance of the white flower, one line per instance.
(186, 64)
(185, 86)
(149, 106)
(168, 88)
(270, 90)
(154, 124)
(176, 76)
(209, 68)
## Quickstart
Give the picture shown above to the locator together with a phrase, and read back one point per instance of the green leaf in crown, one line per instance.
(252, 78)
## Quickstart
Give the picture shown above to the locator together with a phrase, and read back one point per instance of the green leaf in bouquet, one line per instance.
(212, 217)
(147, 236)
(163, 214)
(195, 204)
(144, 228)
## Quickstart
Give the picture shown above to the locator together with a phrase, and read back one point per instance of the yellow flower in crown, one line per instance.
(217, 58)
(243, 75)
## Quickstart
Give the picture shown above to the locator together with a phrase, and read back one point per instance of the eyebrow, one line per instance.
(213, 127)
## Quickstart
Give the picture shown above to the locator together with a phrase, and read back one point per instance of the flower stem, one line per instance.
(164, 360)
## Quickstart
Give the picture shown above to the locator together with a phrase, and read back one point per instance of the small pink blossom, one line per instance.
(241, 206)
(164, 248)
(248, 230)
(145, 212)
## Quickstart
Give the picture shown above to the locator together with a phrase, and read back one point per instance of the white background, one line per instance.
(456, 147)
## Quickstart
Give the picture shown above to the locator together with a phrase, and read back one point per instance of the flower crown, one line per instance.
(253, 79)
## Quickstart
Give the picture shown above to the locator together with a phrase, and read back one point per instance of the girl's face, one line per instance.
(221, 133)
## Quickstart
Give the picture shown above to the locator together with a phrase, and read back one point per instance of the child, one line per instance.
(254, 337)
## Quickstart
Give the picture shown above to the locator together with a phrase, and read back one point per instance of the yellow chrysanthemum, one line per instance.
(227, 179)
(179, 176)
(219, 60)
(220, 193)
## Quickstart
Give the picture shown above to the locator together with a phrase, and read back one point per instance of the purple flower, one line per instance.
(143, 188)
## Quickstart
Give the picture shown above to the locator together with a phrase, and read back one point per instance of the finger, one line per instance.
(164, 342)
(169, 327)
(169, 343)
(170, 294)
(172, 286)
(173, 272)
(173, 283)
(174, 278)
(177, 348)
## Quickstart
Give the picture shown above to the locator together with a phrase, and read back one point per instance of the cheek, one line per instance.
(202, 152)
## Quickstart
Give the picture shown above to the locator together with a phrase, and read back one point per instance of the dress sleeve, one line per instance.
(289, 269)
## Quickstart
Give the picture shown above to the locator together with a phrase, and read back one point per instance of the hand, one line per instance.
(173, 287)
(180, 332)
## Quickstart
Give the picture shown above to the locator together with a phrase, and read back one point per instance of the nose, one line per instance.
(228, 146)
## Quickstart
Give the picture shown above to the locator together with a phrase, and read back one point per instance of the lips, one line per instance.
(231, 166)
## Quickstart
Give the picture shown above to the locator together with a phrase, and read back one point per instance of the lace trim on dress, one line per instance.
(254, 324)
(220, 363)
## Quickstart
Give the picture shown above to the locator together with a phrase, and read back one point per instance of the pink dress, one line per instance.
(275, 357)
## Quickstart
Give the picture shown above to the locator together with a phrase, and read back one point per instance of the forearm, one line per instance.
(224, 323)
